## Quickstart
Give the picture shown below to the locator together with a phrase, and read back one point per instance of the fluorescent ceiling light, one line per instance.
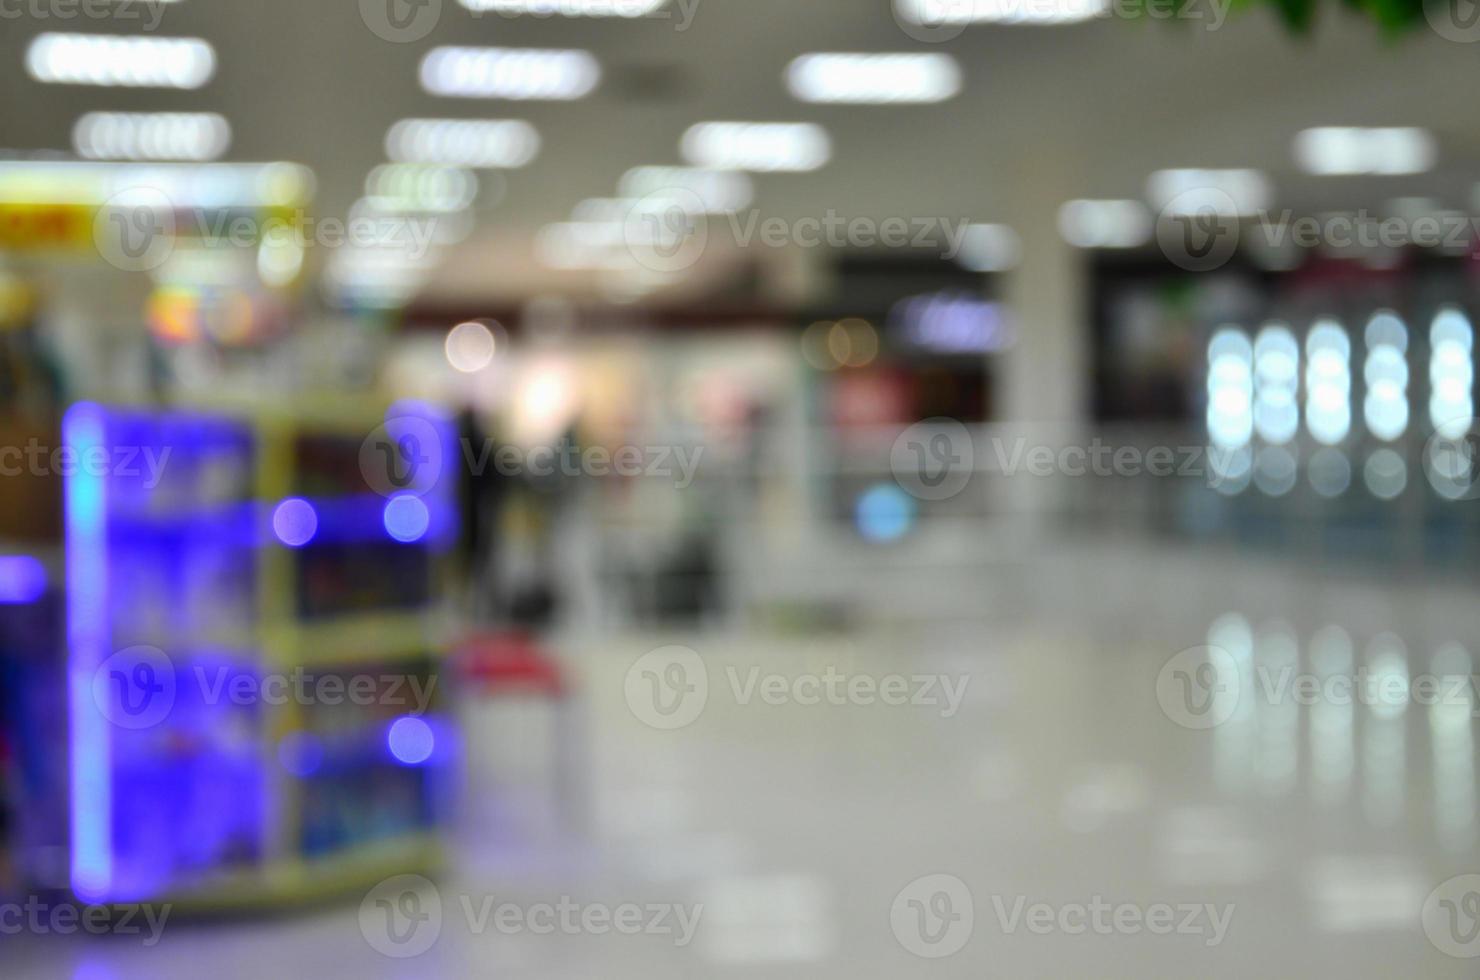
(720, 191)
(874, 78)
(1341, 150)
(567, 8)
(134, 62)
(757, 146)
(1226, 192)
(209, 185)
(504, 143)
(151, 135)
(938, 12)
(989, 248)
(1105, 224)
(401, 187)
(510, 73)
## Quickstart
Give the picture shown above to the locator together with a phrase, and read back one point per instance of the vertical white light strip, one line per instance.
(1230, 413)
(1328, 382)
(1276, 378)
(1230, 389)
(1451, 373)
(1385, 409)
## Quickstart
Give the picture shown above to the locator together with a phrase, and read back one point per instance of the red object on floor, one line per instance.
(502, 663)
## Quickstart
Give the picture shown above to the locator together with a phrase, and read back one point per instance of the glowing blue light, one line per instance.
(83, 431)
(295, 522)
(884, 512)
(22, 579)
(410, 740)
(406, 517)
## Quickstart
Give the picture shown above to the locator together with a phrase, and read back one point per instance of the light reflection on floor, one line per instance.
(1060, 779)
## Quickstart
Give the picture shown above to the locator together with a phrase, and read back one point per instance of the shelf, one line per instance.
(299, 881)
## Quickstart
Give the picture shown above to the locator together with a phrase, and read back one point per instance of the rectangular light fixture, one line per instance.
(151, 135)
(566, 8)
(187, 185)
(875, 79)
(1330, 151)
(505, 143)
(1105, 224)
(1228, 192)
(757, 146)
(941, 12)
(510, 73)
(120, 60)
(718, 191)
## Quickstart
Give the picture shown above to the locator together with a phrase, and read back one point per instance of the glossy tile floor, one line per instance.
(1044, 786)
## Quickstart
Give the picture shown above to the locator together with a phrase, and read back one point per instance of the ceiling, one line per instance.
(1046, 113)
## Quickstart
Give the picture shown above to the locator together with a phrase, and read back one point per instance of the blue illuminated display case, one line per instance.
(254, 627)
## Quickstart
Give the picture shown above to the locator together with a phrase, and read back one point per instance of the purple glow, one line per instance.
(295, 522)
(952, 323)
(22, 579)
(406, 518)
(411, 740)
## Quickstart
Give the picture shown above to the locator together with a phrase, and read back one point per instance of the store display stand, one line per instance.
(209, 614)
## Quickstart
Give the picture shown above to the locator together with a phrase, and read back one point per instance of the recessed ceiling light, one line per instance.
(1341, 150)
(1189, 190)
(186, 185)
(566, 8)
(1105, 224)
(503, 143)
(510, 73)
(989, 248)
(398, 187)
(134, 62)
(757, 146)
(151, 135)
(720, 191)
(874, 78)
(937, 12)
